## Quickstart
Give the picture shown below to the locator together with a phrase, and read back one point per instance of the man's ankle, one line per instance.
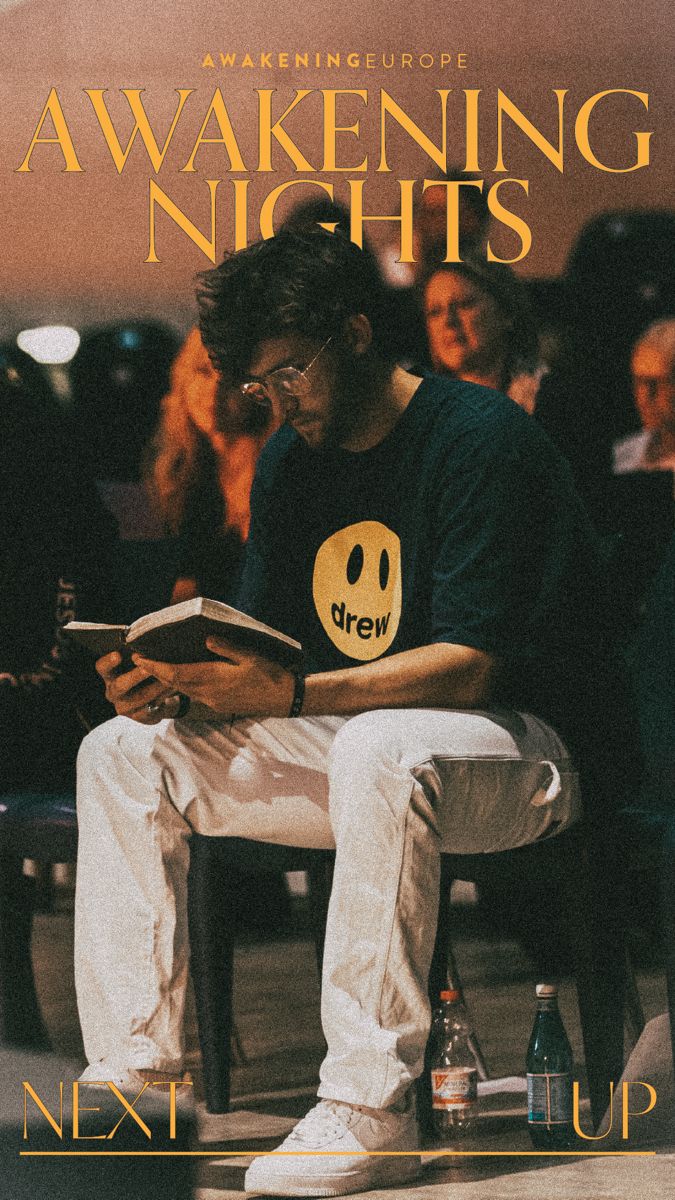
(149, 1075)
(400, 1106)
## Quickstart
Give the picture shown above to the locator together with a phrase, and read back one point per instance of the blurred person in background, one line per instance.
(432, 221)
(653, 378)
(56, 541)
(431, 228)
(199, 475)
(619, 279)
(430, 248)
(118, 378)
(480, 328)
(642, 493)
(23, 374)
(201, 470)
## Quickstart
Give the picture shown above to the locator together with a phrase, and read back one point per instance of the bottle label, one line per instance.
(549, 1099)
(454, 1088)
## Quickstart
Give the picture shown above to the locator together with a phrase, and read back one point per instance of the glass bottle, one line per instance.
(549, 1076)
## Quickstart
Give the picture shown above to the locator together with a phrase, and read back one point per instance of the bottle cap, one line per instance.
(545, 990)
(451, 994)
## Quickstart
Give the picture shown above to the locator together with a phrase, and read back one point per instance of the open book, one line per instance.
(178, 634)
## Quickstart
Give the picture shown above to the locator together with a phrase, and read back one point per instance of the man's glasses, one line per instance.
(284, 385)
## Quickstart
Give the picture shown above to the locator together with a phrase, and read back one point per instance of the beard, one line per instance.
(350, 400)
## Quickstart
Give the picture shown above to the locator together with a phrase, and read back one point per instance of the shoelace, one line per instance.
(330, 1119)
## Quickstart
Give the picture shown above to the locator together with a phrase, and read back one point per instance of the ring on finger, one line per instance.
(155, 706)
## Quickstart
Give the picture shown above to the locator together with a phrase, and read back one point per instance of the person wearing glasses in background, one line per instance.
(423, 541)
(653, 375)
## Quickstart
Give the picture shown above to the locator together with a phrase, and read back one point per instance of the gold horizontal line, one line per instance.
(337, 1153)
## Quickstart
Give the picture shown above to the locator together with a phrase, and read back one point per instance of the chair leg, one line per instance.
(211, 901)
(44, 887)
(597, 939)
(21, 1021)
(668, 917)
(635, 1013)
(320, 880)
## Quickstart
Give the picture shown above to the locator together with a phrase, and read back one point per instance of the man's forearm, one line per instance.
(436, 676)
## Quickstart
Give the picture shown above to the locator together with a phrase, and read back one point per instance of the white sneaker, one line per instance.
(358, 1138)
(104, 1072)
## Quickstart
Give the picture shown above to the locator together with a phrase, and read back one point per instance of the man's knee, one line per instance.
(362, 744)
(98, 745)
(394, 740)
(367, 773)
(111, 748)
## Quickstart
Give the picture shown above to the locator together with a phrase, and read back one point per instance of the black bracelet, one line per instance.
(298, 694)
(183, 706)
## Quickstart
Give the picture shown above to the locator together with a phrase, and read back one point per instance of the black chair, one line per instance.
(216, 868)
(575, 878)
(647, 831)
(42, 827)
(649, 848)
(572, 873)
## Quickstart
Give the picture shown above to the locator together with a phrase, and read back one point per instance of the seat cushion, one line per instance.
(40, 825)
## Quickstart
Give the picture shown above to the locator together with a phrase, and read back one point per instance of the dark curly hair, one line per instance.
(293, 283)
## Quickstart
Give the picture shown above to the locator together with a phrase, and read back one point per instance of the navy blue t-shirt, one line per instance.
(461, 526)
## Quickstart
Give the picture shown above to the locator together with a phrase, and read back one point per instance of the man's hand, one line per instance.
(245, 684)
(134, 694)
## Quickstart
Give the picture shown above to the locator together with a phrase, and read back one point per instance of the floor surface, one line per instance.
(277, 1016)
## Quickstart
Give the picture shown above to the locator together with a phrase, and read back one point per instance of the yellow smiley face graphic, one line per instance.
(357, 589)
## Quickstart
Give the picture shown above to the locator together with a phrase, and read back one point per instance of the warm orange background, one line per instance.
(73, 245)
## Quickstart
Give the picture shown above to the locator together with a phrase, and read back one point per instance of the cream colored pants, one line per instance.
(389, 789)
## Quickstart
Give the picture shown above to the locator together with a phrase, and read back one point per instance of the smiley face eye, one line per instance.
(384, 569)
(355, 564)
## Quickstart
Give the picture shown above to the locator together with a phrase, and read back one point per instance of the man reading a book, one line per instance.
(422, 540)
